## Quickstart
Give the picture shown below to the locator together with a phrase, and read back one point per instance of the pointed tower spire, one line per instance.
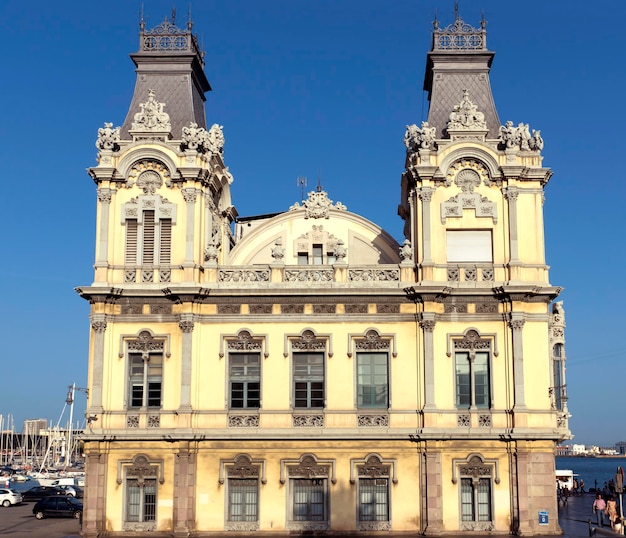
(170, 64)
(458, 62)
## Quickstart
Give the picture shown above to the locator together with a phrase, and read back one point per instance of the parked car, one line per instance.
(9, 497)
(39, 492)
(74, 491)
(58, 506)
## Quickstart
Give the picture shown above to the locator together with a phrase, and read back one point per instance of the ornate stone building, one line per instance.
(302, 371)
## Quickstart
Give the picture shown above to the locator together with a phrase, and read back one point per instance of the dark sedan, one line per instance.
(58, 506)
(40, 492)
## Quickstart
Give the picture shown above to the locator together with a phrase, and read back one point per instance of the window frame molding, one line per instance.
(478, 465)
(470, 341)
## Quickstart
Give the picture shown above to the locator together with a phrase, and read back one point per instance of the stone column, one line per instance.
(427, 324)
(434, 494)
(511, 194)
(104, 197)
(99, 325)
(184, 487)
(186, 325)
(189, 196)
(517, 324)
(94, 515)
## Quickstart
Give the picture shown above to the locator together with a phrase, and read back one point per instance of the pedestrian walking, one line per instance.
(611, 509)
(599, 506)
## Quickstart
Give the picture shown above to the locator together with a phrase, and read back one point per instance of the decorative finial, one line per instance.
(456, 10)
(436, 21)
(142, 21)
(174, 15)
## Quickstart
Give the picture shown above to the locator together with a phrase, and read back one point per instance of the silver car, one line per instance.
(9, 497)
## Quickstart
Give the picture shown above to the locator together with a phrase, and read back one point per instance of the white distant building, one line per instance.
(577, 450)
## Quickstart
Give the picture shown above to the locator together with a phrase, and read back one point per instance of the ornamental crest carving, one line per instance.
(374, 468)
(309, 468)
(145, 343)
(317, 205)
(472, 342)
(467, 175)
(245, 342)
(472, 173)
(465, 116)
(142, 470)
(372, 342)
(152, 116)
(242, 467)
(150, 182)
(308, 342)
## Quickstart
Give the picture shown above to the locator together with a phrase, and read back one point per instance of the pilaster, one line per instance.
(186, 325)
(517, 324)
(427, 324)
(98, 325)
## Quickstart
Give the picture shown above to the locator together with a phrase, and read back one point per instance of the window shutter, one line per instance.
(148, 237)
(166, 242)
(131, 242)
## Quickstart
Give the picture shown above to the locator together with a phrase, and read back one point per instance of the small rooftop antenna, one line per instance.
(456, 10)
(301, 182)
(142, 21)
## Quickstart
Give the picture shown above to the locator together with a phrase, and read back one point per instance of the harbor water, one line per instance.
(594, 471)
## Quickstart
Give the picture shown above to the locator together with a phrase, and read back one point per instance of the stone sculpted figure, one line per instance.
(193, 136)
(339, 250)
(215, 139)
(416, 138)
(523, 135)
(406, 252)
(508, 134)
(108, 138)
(278, 253)
(536, 142)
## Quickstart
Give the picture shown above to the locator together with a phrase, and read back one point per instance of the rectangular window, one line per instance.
(146, 378)
(372, 380)
(472, 380)
(467, 246)
(245, 380)
(373, 499)
(308, 380)
(141, 500)
(309, 499)
(318, 255)
(243, 499)
(558, 377)
(476, 499)
(303, 258)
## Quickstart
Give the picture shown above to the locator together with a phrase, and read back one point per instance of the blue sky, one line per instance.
(305, 88)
